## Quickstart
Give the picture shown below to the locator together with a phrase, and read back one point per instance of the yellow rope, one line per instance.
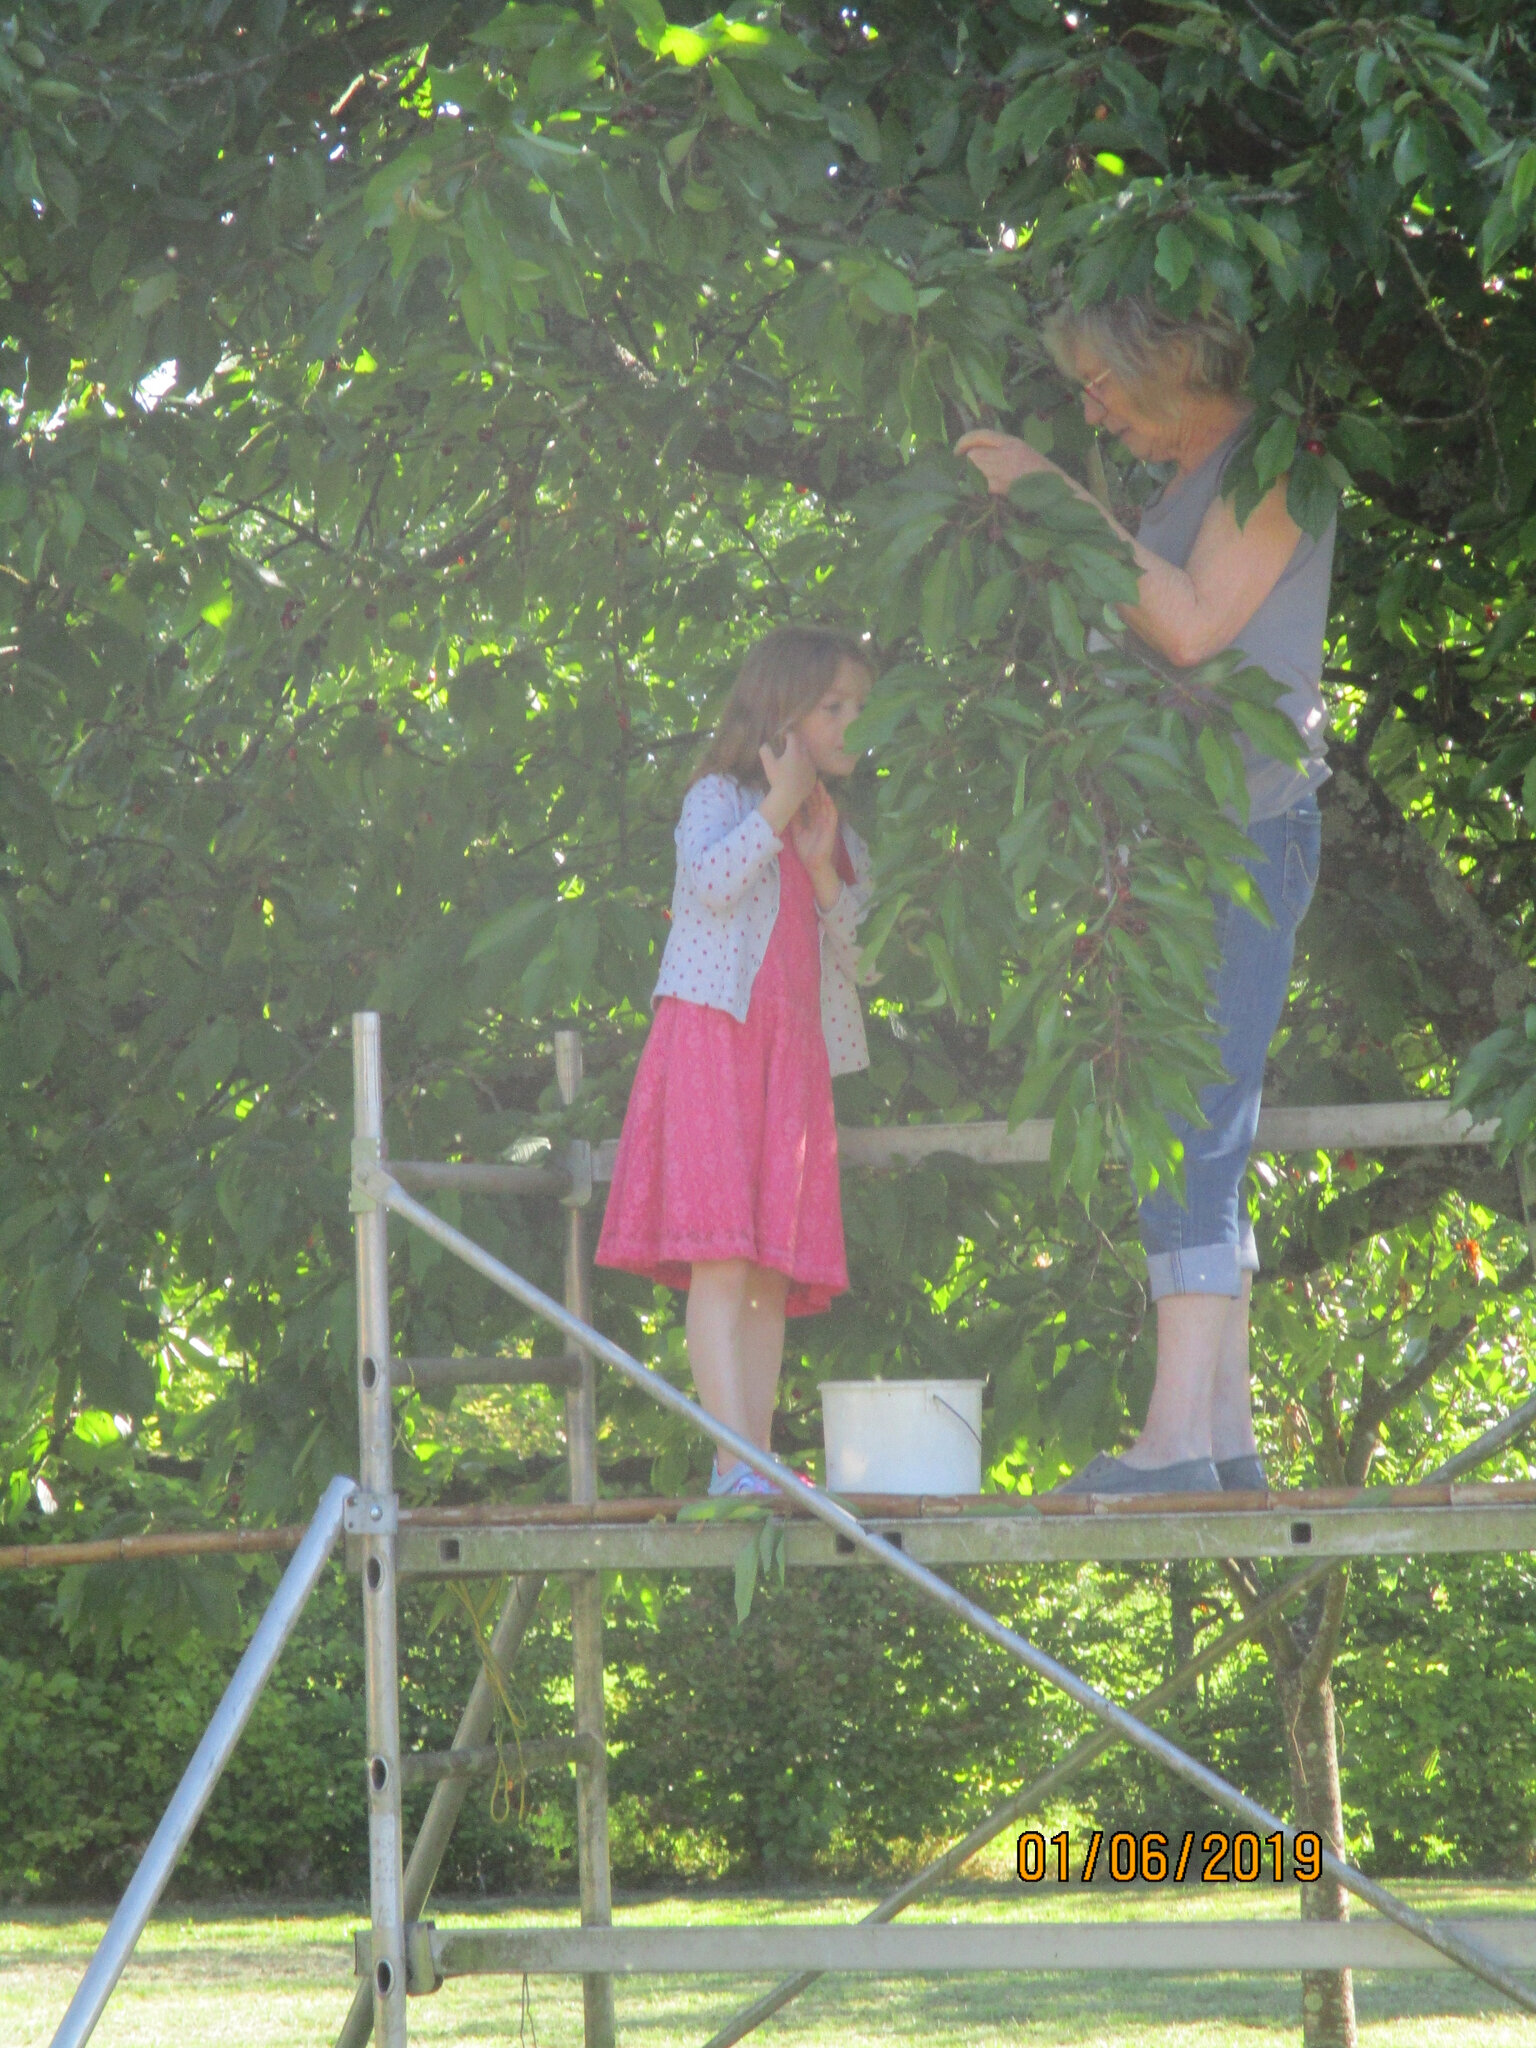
(496, 1679)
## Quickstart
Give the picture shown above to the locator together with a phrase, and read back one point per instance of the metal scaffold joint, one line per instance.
(373, 1514)
(366, 1153)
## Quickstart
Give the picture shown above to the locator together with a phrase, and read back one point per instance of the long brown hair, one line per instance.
(786, 675)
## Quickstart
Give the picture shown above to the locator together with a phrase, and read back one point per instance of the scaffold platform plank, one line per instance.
(1175, 1947)
(986, 1529)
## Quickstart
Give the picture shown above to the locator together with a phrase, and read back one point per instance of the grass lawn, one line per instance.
(237, 1978)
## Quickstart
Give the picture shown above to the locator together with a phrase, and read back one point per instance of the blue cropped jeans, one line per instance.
(1204, 1244)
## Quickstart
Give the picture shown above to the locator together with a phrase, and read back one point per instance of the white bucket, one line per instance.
(902, 1436)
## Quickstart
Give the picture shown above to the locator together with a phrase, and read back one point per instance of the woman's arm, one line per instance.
(1187, 614)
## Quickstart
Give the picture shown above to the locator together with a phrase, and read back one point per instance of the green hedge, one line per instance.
(843, 1729)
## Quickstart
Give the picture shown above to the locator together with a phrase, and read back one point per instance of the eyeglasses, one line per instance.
(1088, 390)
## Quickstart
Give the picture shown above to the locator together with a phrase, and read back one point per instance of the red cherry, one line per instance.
(1349, 1162)
(1313, 447)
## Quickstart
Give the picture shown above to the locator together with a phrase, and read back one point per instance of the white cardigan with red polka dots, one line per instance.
(725, 904)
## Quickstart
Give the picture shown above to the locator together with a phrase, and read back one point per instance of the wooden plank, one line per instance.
(1335, 1127)
(1352, 1531)
(901, 1508)
(1177, 1947)
(1329, 1127)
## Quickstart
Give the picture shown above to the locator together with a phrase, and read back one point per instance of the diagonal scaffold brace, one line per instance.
(1034, 1795)
(202, 1773)
(373, 1182)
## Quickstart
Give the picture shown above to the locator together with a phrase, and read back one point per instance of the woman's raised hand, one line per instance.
(791, 777)
(1001, 458)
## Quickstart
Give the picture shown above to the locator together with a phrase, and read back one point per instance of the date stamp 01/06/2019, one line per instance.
(1152, 1857)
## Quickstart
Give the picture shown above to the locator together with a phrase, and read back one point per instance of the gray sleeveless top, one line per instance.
(1284, 637)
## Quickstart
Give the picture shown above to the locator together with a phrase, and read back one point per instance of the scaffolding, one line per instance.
(401, 1954)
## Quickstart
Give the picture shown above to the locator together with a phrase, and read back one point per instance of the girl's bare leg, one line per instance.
(762, 1347)
(716, 1297)
(735, 1330)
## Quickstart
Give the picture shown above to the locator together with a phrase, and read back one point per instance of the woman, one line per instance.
(1173, 392)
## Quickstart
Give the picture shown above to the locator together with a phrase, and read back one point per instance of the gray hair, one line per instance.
(1161, 358)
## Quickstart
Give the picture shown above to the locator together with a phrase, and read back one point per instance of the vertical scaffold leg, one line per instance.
(379, 1509)
(586, 1592)
(448, 1797)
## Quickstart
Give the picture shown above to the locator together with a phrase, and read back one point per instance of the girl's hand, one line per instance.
(814, 832)
(791, 777)
(1001, 458)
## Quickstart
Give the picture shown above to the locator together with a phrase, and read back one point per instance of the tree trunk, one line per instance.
(1327, 1996)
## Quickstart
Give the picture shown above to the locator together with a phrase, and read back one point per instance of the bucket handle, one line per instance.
(958, 1417)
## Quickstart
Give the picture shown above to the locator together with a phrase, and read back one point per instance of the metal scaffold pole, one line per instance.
(202, 1773)
(431, 1844)
(586, 1587)
(378, 1510)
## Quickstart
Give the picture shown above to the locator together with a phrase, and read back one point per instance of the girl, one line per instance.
(726, 1178)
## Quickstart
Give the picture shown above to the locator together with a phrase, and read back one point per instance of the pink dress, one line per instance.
(729, 1147)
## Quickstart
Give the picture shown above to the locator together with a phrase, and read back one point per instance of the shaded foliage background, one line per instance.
(887, 1733)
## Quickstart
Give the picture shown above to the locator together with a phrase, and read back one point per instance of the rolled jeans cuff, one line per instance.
(1204, 1268)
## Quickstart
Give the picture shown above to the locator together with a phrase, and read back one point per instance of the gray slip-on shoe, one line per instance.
(1104, 1474)
(1244, 1474)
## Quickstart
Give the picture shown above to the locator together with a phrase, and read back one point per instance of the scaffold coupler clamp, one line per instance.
(372, 1514)
(576, 1162)
(367, 1157)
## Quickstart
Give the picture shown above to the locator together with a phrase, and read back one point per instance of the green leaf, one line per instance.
(734, 103)
(1271, 731)
(156, 291)
(1365, 445)
(1032, 119)
(1312, 496)
(1371, 75)
(1065, 622)
(748, 1563)
(853, 123)
(686, 46)
(879, 929)
(1222, 764)
(513, 927)
(10, 959)
(1175, 254)
(1522, 183)
(1499, 232)
(1275, 452)
(650, 21)
(888, 288)
(940, 602)
(1410, 159)
(1040, 1077)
